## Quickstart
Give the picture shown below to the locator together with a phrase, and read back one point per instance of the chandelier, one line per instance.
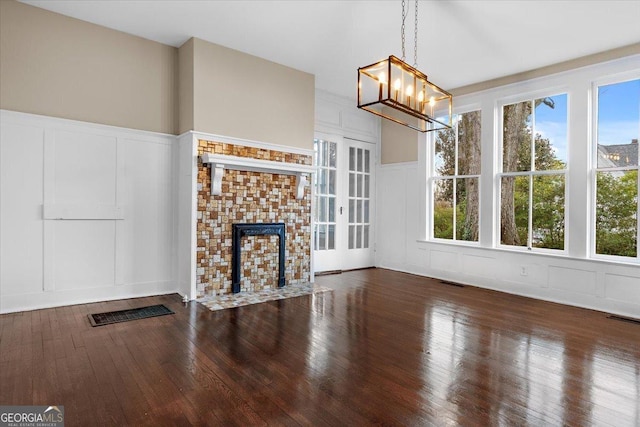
(397, 91)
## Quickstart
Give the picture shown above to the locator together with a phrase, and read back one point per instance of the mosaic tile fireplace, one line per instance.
(251, 197)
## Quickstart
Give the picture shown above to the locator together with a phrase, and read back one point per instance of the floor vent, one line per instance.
(458, 285)
(100, 319)
(624, 319)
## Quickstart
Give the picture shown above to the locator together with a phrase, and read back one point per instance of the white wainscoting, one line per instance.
(86, 212)
(599, 285)
(339, 115)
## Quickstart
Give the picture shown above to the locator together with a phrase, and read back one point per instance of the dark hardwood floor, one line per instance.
(383, 348)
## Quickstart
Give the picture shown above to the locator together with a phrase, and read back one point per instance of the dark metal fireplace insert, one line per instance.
(255, 229)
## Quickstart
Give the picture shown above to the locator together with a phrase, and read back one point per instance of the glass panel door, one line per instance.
(325, 194)
(343, 204)
(359, 197)
(327, 211)
(359, 175)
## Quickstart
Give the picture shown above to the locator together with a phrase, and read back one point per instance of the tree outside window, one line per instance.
(532, 182)
(617, 181)
(457, 179)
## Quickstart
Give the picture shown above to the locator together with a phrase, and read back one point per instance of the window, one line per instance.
(457, 177)
(532, 182)
(616, 162)
(325, 195)
(359, 197)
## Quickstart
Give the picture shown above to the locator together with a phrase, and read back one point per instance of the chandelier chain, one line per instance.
(415, 38)
(404, 16)
(394, 90)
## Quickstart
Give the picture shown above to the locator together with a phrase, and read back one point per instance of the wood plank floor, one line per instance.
(383, 348)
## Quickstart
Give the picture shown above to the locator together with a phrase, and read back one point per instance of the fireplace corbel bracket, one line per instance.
(217, 172)
(301, 182)
(220, 162)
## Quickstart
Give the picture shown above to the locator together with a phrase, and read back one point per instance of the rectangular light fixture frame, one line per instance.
(413, 101)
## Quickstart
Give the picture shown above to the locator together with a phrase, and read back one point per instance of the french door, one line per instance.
(343, 203)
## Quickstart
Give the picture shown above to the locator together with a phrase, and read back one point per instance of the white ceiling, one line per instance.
(459, 42)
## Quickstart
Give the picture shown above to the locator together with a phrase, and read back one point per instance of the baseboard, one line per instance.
(28, 302)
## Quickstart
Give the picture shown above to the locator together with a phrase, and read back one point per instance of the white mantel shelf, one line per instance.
(256, 165)
(220, 162)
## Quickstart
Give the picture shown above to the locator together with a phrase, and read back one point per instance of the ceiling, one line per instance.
(459, 42)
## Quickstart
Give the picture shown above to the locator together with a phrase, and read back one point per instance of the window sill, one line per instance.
(606, 260)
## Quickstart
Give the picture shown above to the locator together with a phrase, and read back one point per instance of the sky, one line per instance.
(551, 123)
(619, 112)
(618, 117)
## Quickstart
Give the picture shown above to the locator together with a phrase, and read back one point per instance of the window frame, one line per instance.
(433, 178)
(579, 210)
(359, 198)
(532, 173)
(315, 214)
(594, 169)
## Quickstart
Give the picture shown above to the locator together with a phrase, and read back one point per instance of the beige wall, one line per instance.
(58, 66)
(185, 87)
(584, 61)
(243, 96)
(399, 143)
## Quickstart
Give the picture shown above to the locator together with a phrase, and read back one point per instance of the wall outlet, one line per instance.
(524, 271)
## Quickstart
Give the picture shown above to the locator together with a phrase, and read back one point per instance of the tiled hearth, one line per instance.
(250, 197)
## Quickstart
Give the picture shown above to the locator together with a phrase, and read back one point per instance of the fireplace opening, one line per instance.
(255, 229)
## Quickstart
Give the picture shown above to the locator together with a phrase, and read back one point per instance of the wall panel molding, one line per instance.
(339, 115)
(101, 201)
(589, 283)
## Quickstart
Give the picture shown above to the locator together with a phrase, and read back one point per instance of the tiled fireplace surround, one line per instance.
(250, 197)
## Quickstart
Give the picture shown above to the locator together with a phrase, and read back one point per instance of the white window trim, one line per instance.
(593, 171)
(579, 217)
(432, 177)
(530, 97)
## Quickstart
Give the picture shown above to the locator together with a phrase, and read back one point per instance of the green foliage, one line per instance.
(467, 163)
(445, 148)
(443, 220)
(548, 211)
(616, 213)
(547, 197)
(521, 207)
(464, 230)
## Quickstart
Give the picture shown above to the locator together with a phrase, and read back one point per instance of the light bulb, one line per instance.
(409, 90)
(432, 101)
(382, 77)
(421, 96)
(397, 84)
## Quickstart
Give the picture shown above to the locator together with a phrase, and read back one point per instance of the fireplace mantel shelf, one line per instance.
(220, 162)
